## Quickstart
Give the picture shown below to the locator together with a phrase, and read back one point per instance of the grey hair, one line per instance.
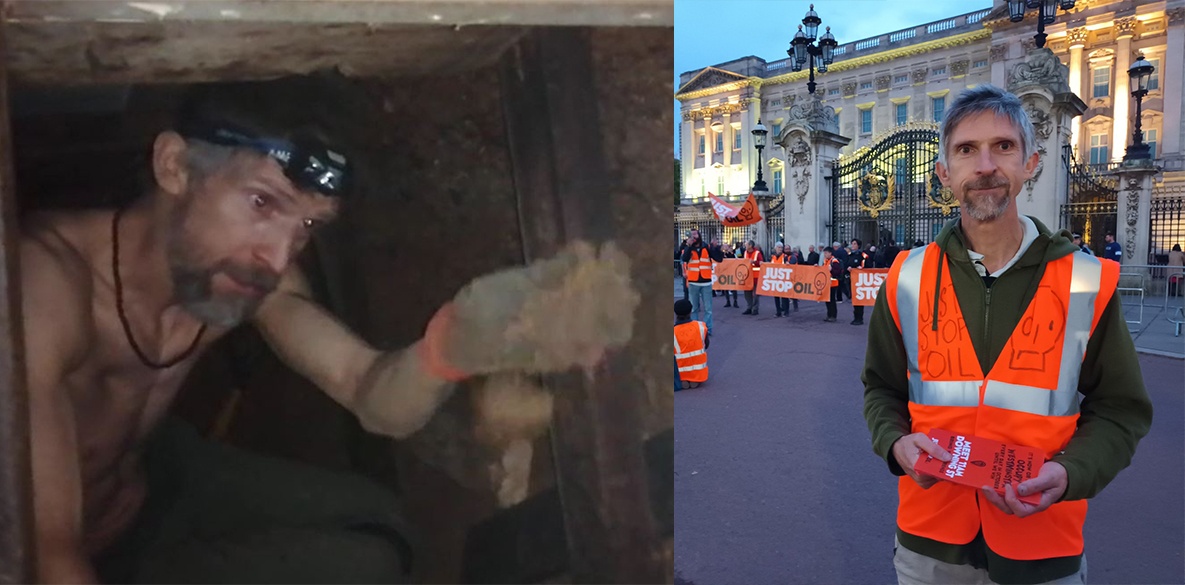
(987, 98)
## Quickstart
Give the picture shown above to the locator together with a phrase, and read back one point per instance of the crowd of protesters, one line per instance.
(840, 257)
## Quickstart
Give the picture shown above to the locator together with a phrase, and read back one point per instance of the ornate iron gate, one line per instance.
(775, 222)
(889, 192)
(1092, 202)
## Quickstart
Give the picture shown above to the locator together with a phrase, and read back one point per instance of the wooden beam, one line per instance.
(82, 53)
(560, 175)
(434, 12)
(16, 542)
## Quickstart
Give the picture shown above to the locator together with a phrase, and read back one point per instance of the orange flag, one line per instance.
(732, 215)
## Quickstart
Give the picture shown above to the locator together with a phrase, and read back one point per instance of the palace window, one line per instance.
(1154, 81)
(902, 114)
(720, 142)
(979, 63)
(720, 185)
(702, 141)
(736, 138)
(865, 121)
(901, 78)
(777, 182)
(1150, 138)
(1102, 82)
(866, 85)
(939, 107)
(703, 188)
(939, 71)
(833, 91)
(777, 131)
(1098, 149)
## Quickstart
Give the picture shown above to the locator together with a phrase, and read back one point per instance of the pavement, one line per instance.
(775, 480)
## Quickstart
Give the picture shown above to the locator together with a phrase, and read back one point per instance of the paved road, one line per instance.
(775, 481)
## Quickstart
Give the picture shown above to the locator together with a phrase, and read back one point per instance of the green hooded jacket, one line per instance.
(1115, 411)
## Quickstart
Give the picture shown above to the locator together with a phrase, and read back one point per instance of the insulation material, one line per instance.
(557, 313)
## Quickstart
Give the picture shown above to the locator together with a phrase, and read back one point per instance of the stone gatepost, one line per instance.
(1040, 81)
(812, 142)
(1135, 205)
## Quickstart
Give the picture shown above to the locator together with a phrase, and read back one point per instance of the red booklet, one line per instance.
(977, 462)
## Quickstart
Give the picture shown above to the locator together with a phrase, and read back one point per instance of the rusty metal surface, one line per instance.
(16, 562)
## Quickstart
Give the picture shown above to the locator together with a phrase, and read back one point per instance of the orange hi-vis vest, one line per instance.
(699, 268)
(1030, 397)
(755, 265)
(834, 281)
(690, 355)
(777, 259)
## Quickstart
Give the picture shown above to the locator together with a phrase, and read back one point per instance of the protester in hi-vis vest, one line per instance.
(691, 347)
(999, 329)
(832, 264)
(781, 304)
(697, 266)
(752, 301)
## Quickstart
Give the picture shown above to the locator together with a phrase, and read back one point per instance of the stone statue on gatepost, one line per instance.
(811, 141)
(1040, 80)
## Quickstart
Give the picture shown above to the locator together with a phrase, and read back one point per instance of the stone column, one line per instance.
(812, 143)
(1173, 67)
(1040, 83)
(1135, 204)
(687, 155)
(1121, 98)
(708, 145)
(1077, 38)
(727, 138)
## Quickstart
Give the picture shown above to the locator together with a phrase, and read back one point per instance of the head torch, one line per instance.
(306, 161)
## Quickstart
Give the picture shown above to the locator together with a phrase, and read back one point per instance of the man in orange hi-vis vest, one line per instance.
(1001, 330)
(691, 347)
(753, 253)
(698, 259)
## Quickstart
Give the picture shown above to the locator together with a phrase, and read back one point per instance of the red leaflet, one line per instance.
(976, 462)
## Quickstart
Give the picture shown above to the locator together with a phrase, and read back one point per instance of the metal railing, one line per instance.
(1155, 282)
(1131, 286)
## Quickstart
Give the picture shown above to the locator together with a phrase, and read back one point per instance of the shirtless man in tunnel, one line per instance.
(117, 307)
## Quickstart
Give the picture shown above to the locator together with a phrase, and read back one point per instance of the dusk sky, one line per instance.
(708, 32)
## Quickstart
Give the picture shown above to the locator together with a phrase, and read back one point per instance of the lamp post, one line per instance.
(1140, 72)
(1048, 8)
(759, 133)
(803, 49)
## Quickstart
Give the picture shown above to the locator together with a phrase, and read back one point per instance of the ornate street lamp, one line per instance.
(759, 133)
(1048, 8)
(802, 48)
(1140, 73)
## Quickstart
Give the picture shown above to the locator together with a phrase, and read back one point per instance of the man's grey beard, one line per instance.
(987, 207)
(192, 284)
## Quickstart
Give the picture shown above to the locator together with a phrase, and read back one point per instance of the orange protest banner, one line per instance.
(733, 274)
(795, 281)
(865, 283)
(731, 215)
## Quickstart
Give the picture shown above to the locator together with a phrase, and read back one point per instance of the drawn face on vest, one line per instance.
(986, 166)
(1040, 333)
